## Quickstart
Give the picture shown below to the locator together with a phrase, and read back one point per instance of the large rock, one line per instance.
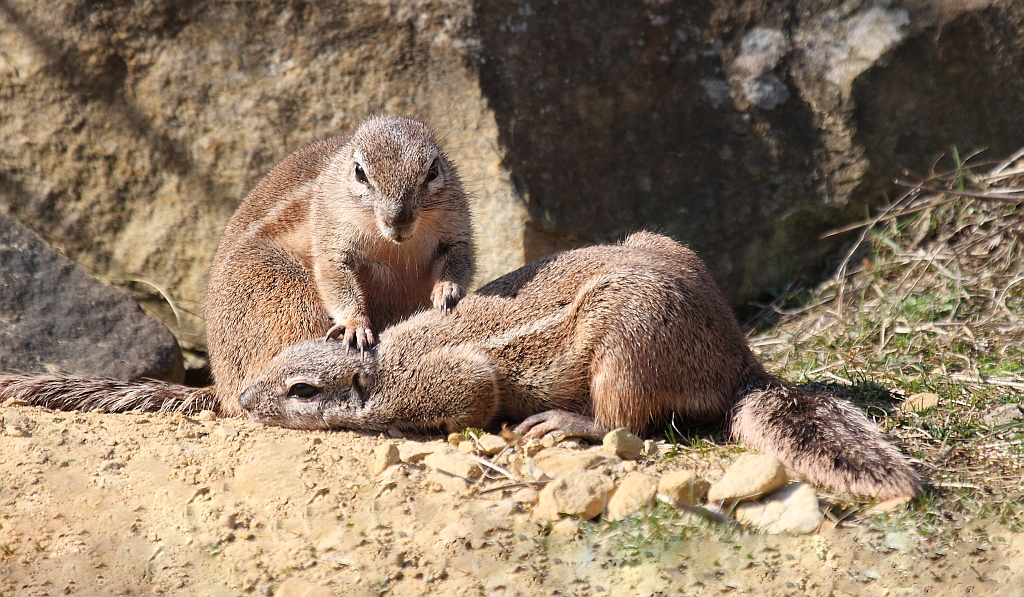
(131, 130)
(743, 128)
(54, 317)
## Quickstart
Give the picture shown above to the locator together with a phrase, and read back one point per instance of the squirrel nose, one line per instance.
(400, 218)
(246, 399)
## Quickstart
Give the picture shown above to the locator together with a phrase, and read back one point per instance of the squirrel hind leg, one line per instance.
(619, 396)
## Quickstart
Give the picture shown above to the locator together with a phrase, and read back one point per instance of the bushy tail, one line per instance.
(823, 440)
(72, 392)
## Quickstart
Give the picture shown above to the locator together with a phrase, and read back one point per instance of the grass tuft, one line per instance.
(930, 299)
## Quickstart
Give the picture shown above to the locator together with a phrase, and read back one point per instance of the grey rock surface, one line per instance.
(130, 131)
(54, 317)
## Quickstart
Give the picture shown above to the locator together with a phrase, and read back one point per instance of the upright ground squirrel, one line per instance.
(342, 238)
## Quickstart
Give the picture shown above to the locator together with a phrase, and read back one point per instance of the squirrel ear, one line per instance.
(357, 387)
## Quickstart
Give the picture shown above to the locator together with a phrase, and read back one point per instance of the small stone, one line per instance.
(793, 509)
(1002, 414)
(525, 495)
(920, 402)
(206, 415)
(532, 447)
(581, 494)
(887, 506)
(571, 443)
(395, 433)
(449, 484)
(558, 462)
(566, 529)
(467, 447)
(548, 442)
(897, 540)
(384, 456)
(636, 491)
(683, 487)
(13, 431)
(454, 462)
(650, 448)
(623, 443)
(294, 587)
(225, 432)
(454, 439)
(490, 444)
(750, 477)
(187, 428)
(411, 452)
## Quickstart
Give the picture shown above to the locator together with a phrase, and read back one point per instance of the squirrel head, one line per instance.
(315, 384)
(398, 169)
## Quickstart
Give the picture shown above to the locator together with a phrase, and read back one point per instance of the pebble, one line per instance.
(920, 402)
(1002, 414)
(582, 494)
(897, 540)
(566, 529)
(887, 506)
(636, 491)
(683, 487)
(750, 477)
(411, 452)
(793, 510)
(384, 456)
(558, 462)
(206, 415)
(294, 587)
(532, 447)
(467, 447)
(623, 443)
(187, 428)
(225, 431)
(490, 444)
(454, 439)
(650, 448)
(452, 461)
(526, 495)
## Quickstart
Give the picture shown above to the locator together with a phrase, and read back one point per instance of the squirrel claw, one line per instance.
(559, 424)
(352, 335)
(446, 295)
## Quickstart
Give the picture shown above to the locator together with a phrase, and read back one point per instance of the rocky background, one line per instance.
(130, 131)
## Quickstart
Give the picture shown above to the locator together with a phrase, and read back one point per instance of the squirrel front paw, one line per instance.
(446, 295)
(357, 333)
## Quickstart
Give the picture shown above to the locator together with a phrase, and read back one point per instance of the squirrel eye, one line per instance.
(302, 390)
(433, 172)
(361, 175)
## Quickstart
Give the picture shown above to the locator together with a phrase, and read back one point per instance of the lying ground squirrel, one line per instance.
(342, 238)
(583, 342)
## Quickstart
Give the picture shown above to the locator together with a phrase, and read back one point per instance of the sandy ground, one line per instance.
(112, 504)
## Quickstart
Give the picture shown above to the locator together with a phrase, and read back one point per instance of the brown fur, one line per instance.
(311, 251)
(583, 342)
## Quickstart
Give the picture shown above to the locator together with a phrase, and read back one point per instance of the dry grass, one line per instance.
(930, 299)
